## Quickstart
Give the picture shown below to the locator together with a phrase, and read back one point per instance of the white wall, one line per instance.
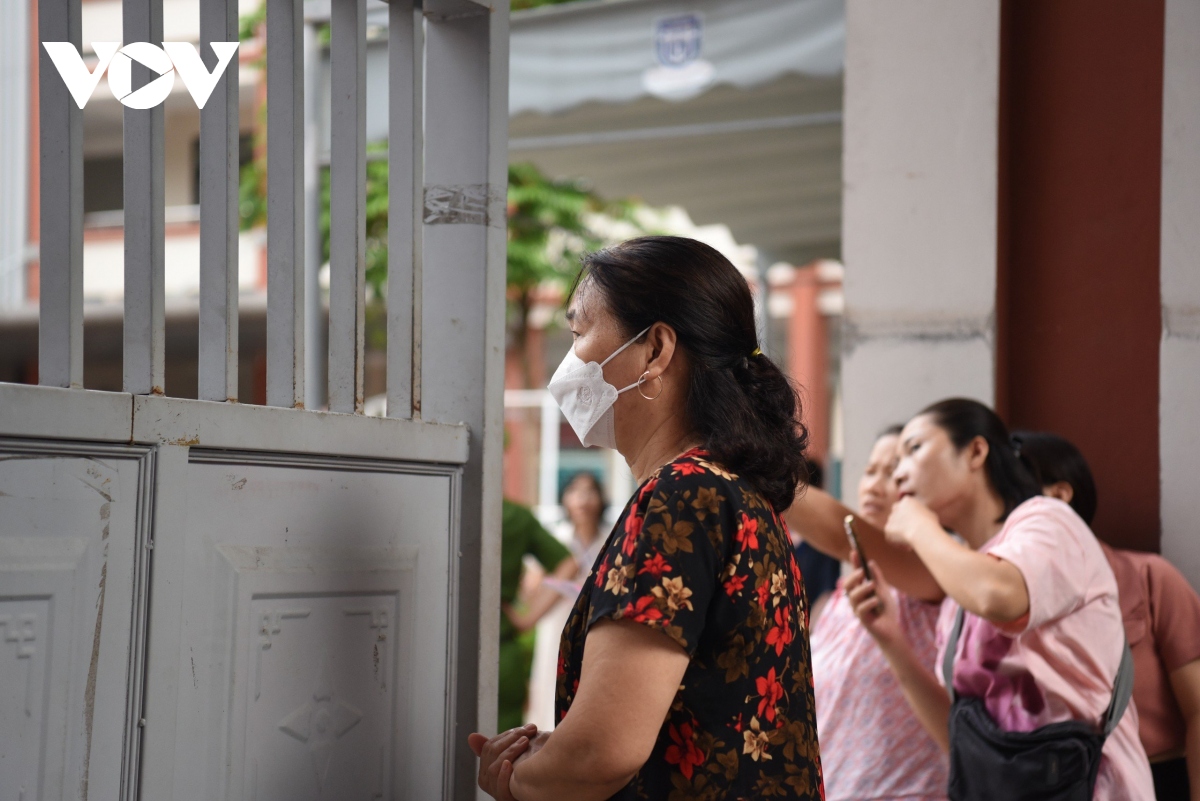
(919, 210)
(1179, 382)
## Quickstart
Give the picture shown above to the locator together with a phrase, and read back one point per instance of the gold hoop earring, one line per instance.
(643, 394)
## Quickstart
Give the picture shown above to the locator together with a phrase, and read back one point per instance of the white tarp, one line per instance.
(614, 51)
(729, 108)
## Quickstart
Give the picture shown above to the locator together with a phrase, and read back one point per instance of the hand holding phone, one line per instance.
(854, 543)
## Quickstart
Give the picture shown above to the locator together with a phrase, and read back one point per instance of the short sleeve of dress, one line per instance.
(1175, 612)
(662, 568)
(1045, 547)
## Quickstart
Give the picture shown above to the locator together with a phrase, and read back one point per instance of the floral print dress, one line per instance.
(701, 556)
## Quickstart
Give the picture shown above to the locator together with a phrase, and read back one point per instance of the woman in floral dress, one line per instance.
(684, 669)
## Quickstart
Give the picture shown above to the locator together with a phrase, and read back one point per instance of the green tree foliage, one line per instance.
(551, 224)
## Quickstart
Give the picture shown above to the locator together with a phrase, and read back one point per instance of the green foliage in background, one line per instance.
(377, 222)
(549, 229)
(252, 177)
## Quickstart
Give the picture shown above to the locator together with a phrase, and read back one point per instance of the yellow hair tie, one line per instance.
(756, 352)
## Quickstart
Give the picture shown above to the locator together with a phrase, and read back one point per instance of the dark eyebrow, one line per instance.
(570, 315)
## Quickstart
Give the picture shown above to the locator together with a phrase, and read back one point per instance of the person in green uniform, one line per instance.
(522, 534)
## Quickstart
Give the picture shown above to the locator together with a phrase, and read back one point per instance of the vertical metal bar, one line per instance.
(463, 247)
(285, 203)
(60, 335)
(315, 346)
(142, 21)
(347, 203)
(406, 55)
(494, 281)
(218, 371)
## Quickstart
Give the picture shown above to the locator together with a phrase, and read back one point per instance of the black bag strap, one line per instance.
(951, 654)
(1122, 685)
(1122, 690)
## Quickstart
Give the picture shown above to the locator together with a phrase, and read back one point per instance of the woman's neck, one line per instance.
(586, 531)
(979, 519)
(667, 440)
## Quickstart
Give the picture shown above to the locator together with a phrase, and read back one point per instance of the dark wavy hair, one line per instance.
(964, 419)
(1054, 459)
(739, 402)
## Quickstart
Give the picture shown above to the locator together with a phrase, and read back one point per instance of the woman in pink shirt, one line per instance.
(872, 746)
(1162, 624)
(1043, 636)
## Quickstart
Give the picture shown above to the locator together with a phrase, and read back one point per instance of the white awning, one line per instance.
(615, 51)
(730, 109)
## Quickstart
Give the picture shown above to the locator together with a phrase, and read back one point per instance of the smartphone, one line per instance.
(862, 556)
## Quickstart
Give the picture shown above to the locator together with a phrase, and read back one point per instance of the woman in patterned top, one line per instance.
(684, 669)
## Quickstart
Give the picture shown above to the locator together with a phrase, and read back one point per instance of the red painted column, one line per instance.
(1078, 311)
(808, 358)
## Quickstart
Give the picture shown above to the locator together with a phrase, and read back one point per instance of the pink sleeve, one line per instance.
(1175, 614)
(1044, 545)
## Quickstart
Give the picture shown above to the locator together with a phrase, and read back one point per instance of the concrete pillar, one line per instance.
(919, 228)
(1179, 354)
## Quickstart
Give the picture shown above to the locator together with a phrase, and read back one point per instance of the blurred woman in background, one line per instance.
(1161, 612)
(583, 505)
(873, 748)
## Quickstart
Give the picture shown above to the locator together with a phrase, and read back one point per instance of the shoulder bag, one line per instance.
(1058, 762)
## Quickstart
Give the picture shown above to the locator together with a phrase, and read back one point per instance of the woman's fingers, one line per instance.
(868, 610)
(509, 754)
(501, 741)
(864, 598)
(504, 777)
(853, 579)
(496, 780)
(861, 592)
(490, 751)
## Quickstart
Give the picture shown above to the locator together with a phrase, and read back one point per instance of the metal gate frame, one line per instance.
(448, 75)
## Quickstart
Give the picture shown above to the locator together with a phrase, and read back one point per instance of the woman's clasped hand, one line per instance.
(498, 754)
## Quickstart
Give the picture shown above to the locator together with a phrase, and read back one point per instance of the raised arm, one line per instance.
(817, 517)
(984, 585)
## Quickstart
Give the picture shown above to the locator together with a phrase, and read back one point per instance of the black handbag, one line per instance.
(1058, 762)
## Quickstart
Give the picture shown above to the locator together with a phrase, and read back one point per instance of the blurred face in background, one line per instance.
(582, 502)
(876, 489)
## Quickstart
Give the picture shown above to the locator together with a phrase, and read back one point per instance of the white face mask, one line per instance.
(586, 399)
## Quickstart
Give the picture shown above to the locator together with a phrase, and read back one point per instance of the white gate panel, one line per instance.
(304, 599)
(73, 542)
(315, 590)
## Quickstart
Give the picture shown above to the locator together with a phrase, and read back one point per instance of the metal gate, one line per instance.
(206, 599)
